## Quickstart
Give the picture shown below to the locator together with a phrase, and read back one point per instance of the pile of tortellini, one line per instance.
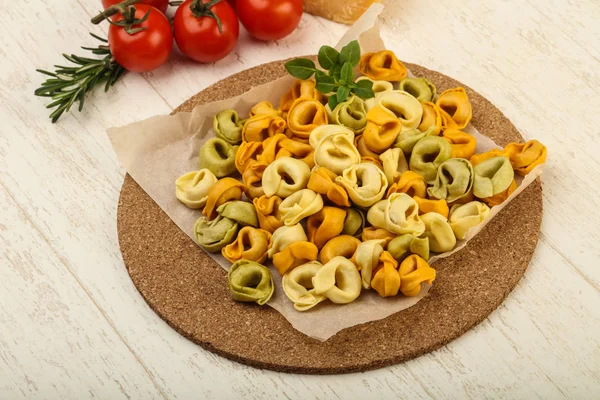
(346, 199)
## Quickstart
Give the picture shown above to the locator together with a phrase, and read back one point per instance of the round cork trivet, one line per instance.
(187, 289)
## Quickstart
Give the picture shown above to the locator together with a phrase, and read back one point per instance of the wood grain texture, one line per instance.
(536, 60)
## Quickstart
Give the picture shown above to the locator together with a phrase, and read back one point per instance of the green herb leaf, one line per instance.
(319, 73)
(347, 73)
(301, 68)
(325, 83)
(332, 101)
(335, 71)
(328, 57)
(351, 53)
(342, 93)
(364, 89)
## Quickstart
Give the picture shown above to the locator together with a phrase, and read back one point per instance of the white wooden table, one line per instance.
(72, 325)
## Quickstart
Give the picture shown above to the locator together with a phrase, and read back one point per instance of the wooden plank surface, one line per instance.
(73, 326)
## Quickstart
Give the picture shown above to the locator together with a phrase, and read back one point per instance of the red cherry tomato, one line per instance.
(269, 19)
(198, 37)
(161, 5)
(145, 50)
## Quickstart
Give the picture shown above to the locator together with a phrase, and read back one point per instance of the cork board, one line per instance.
(187, 289)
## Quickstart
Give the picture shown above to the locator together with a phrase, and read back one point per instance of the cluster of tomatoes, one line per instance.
(204, 30)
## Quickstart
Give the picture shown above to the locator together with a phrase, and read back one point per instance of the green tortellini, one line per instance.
(407, 140)
(464, 217)
(250, 281)
(492, 176)
(354, 222)
(454, 180)
(438, 231)
(228, 126)
(403, 246)
(428, 154)
(218, 156)
(420, 88)
(351, 114)
(216, 234)
(241, 212)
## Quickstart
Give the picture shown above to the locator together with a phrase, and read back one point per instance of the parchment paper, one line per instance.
(156, 151)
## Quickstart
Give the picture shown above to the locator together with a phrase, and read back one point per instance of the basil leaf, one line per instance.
(325, 84)
(301, 68)
(342, 93)
(335, 71)
(351, 53)
(347, 73)
(363, 92)
(328, 57)
(319, 73)
(332, 101)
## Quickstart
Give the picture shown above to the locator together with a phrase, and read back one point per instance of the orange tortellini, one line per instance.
(526, 156)
(343, 245)
(262, 126)
(224, 190)
(386, 280)
(322, 181)
(251, 244)
(455, 108)
(410, 183)
(304, 116)
(381, 131)
(300, 89)
(462, 144)
(382, 65)
(414, 271)
(325, 225)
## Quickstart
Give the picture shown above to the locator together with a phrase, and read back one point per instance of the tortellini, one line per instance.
(463, 144)
(492, 176)
(342, 245)
(285, 236)
(216, 234)
(285, 176)
(381, 130)
(526, 156)
(300, 205)
(366, 258)
(252, 178)
(228, 126)
(325, 225)
(218, 156)
(354, 222)
(295, 254)
(241, 212)
(466, 216)
(386, 280)
(414, 271)
(336, 153)
(260, 127)
(438, 231)
(419, 88)
(251, 244)
(456, 108)
(247, 154)
(382, 65)
(365, 184)
(410, 183)
(297, 286)
(408, 139)
(393, 163)
(401, 104)
(432, 205)
(281, 146)
(404, 245)
(500, 197)
(398, 214)
(479, 158)
(226, 189)
(432, 118)
(454, 180)
(427, 155)
(321, 132)
(338, 280)
(304, 116)
(374, 233)
(192, 188)
(379, 86)
(322, 181)
(265, 108)
(250, 282)
(301, 89)
(267, 210)
(351, 114)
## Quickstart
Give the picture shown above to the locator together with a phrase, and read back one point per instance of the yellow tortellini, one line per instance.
(295, 254)
(322, 181)
(401, 104)
(250, 282)
(419, 88)
(382, 65)
(366, 258)
(454, 180)
(338, 280)
(336, 153)
(398, 214)
(343, 245)
(438, 231)
(228, 126)
(386, 280)
(285, 176)
(304, 116)
(465, 216)
(365, 184)
(192, 188)
(351, 114)
(404, 245)
(393, 163)
(216, 234)
(526, 156)
(322, 132)
(218, 156)
(427, 155)
(284, 236)
(379, 86)
(251, 244)
(456, 108)
(298, 287)
(381, 130)
(300, 205)
(410, 183)
(267, 210)
(432, 118)
(414, 271)
(492, 176)
(325, 225)
(241, 212)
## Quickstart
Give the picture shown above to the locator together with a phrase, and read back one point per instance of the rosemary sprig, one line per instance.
(69, 84)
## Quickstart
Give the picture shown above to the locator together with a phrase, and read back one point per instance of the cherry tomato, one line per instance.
(145, 50)
(198, 37)
(161, 5)
(269, 19)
